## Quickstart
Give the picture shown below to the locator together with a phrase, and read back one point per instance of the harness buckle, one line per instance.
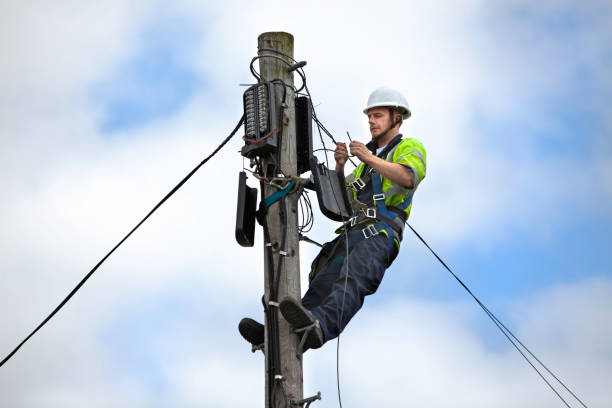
(377, 197)
(369, 231)
(353, 221)
(370, 212)
(358, 184)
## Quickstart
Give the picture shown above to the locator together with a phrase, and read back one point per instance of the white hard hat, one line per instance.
(387, 97)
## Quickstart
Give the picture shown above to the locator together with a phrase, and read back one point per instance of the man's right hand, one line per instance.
(341, 155)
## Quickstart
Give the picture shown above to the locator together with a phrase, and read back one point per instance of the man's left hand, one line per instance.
(361, 151)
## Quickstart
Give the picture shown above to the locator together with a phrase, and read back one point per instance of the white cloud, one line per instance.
(419, 353)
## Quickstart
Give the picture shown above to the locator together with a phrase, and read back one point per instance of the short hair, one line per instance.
(393, 111)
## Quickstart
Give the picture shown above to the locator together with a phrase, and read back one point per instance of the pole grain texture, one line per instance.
(289, 284)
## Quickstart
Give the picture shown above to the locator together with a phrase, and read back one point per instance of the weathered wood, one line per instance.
(273, 68)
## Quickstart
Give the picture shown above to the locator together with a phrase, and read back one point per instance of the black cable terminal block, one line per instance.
(245, 212)
(303, 133)
(260, 131)
(331, 191)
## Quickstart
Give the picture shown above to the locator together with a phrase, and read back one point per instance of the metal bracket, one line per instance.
(370, 212)
(261, 347)
(306, 330)
(274, 246)
(369, 231)
(358, 184)
(306, 401)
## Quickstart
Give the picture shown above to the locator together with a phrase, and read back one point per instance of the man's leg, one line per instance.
(361, 276)
(322, 284)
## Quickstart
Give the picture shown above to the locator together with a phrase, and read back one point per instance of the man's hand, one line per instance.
(361, 151)
(341, 155)
(393, 171)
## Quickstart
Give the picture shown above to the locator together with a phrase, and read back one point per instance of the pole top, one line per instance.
(278, 35)
(276, 40)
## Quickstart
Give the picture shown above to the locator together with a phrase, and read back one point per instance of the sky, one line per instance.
(105, 106)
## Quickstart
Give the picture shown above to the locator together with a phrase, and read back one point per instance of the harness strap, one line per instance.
(356, 235)
(371, 214)
(380, 204)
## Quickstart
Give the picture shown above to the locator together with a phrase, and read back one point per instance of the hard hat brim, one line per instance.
(405, 111)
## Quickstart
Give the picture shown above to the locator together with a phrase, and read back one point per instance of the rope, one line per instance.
(91, 272)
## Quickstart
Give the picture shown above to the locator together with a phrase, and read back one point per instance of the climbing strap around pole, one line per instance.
(271, 199)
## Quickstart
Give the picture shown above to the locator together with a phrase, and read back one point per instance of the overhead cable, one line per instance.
(506, 332)
(163, 200)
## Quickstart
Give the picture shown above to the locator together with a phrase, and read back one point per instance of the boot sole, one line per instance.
(252, 331)
(299, 318)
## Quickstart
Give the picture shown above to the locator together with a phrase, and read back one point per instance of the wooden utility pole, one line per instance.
(276, 44)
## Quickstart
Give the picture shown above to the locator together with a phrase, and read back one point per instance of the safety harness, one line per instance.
(369, 221)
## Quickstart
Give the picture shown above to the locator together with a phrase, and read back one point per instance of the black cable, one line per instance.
(305, 214)
(325, 149)
(289, 65)
(320, 127)
(272, 311)
(280, 122)
(281, 248)
(278, 52)
(271, 320)
(507, 333)
(345, 233)
(163, 200)
(316, 120)
(309, 214)
(341, 317)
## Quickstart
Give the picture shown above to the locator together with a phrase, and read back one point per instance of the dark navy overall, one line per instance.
(337, 291)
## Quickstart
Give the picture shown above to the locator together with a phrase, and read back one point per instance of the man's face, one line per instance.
(379, 120)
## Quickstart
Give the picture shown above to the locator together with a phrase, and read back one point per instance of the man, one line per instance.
(381, 188)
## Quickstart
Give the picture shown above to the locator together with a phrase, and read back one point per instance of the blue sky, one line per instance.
(105, 107)
(154, 83)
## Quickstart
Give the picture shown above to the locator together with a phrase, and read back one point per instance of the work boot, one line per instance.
(299, 317)
(253, 332)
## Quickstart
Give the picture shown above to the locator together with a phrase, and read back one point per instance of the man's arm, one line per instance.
(393, 171)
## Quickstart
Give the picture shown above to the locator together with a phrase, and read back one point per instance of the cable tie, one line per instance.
(272, 303)
(279, 377)
(284, 253)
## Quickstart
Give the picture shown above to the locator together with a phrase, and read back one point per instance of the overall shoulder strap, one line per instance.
(383, 155)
